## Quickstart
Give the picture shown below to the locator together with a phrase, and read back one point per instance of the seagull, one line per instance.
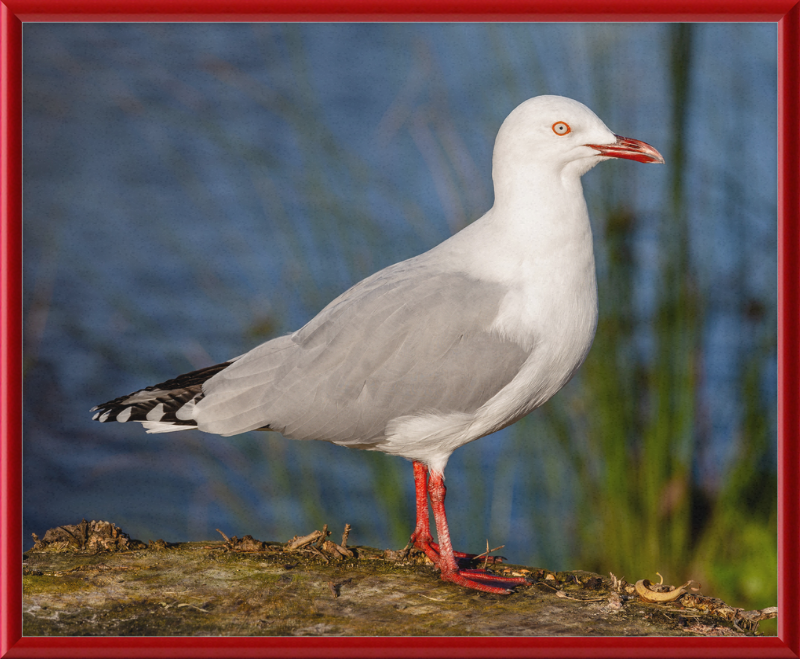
(437, 351)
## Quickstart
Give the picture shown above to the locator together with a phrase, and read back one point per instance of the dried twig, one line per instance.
(300, 542)
(193, 606)
(563, 595)
(486, 553)
(316, 551)
(336, 551)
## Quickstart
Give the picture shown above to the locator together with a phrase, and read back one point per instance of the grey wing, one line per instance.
(404, 341)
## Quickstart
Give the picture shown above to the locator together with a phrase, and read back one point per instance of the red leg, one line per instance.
(422, 537)
(442, 554)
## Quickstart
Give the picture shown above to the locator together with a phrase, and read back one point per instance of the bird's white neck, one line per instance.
(539, 221)
(541, 203)
(536, 241)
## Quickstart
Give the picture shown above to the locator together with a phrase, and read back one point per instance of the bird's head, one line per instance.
(562, 135)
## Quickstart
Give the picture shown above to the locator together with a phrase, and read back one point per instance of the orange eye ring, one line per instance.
(561, 128)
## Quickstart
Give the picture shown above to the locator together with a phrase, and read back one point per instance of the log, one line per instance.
(92, 579)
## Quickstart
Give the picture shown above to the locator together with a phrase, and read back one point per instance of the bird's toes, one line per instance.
(483, 581)
(485, 575)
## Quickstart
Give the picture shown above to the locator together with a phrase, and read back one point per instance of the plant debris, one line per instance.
(315, 543)
(246, 544)
(659, 592)
(92, 537)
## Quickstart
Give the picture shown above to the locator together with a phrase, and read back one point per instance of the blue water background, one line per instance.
(192, 190)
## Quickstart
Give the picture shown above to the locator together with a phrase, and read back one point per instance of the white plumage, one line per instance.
(437, 351)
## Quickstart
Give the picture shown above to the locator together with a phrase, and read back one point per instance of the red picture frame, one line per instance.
(14, 12)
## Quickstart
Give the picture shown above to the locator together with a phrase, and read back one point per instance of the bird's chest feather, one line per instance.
(551, 299)
(551, 309)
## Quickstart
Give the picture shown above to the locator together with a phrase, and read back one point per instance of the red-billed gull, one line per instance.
(439, 350)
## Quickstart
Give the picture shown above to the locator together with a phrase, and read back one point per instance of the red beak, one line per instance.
(630, 149)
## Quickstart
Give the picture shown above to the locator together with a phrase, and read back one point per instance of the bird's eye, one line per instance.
(560, 128)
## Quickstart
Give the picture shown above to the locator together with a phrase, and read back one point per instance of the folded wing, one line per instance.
(405, 341)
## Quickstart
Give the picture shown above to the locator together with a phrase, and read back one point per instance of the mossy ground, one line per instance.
(203, 589)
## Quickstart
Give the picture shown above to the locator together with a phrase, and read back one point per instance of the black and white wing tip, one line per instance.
(164, 407)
